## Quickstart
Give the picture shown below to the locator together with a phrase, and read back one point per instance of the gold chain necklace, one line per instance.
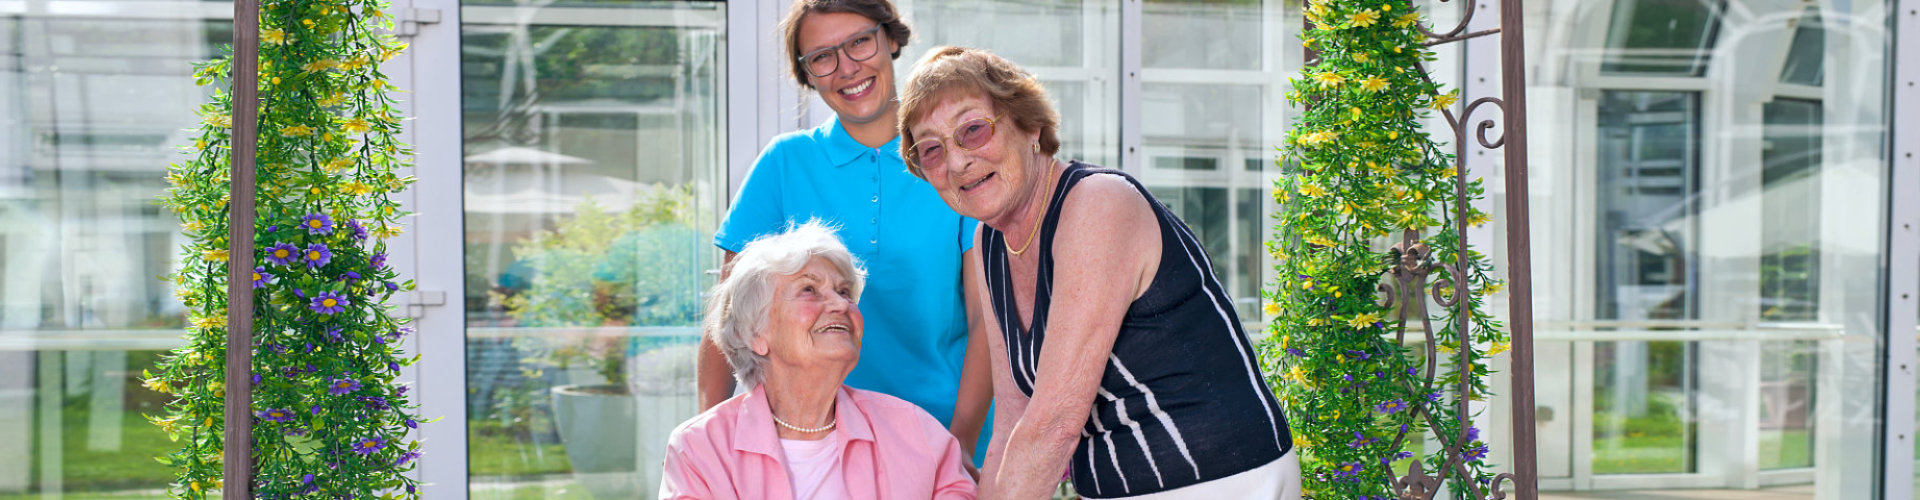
(1037, 219)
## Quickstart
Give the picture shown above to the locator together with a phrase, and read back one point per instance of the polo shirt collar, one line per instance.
(754, 431)
(842, 149)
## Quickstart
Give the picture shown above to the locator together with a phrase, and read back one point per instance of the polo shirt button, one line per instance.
(876, 198)
(876, 220)
(875, 241)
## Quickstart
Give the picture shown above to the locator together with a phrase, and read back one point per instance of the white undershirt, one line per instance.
(813, 468)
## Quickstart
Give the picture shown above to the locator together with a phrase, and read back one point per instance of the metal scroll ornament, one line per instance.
(1381, 338)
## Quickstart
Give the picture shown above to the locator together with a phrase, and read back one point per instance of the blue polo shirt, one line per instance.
(910, 241)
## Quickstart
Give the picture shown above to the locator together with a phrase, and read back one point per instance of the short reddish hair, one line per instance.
(949, 72)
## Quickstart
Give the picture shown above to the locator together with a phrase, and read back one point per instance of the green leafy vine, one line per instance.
(1359, 171)
(330, 419)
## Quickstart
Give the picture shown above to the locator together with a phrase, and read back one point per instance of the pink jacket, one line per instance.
(891, 450)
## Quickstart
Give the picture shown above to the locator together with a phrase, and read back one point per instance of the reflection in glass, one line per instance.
(1643, 411)
(1643, 407)
(1790, 235)
(1662, 37)
(593, 159)
(1806, 57)
(1648, 166)
(1072, 47)
(95, 110)
(1203, 34)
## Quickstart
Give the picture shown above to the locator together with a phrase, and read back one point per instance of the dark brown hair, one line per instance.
(880, 11)
(949, 72)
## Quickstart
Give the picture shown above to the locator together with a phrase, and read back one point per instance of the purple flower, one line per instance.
(411, 424)
(1347, 377)
(256, 379)
(1360, 440)
(307, 479)
(273, 228)
(317, 255)
(1349, 469)
(406, 457)
(378, 261)
(1379, 374)
(1475, 453)
(317, 223)
(281, 254)
(349, 276)
(274, 415)
(359, 231)
(375, 402)
(1403, 455)
(1296, 352)
(1473, 434)
(392, 366)
(315, 409)
(260, 278)
(334, 334)
(402, 391)
(1435, 397)
(391, 286)
(1391, 407)
(328, 303)
(341, 386)
(1413, 371)
(369, 445)
(1362, 355)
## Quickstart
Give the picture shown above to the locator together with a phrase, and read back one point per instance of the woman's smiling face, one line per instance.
(859, 91)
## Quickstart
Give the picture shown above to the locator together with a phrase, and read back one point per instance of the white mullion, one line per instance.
(432, 64)
(1131, 156)
(1903, 257)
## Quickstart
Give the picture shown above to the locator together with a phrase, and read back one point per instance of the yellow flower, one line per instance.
(358, 189)
(209, 322)
(297, 131)
(1478, 219)
(1363, 320)
(1361, 57)
(222, 121)
(353, 64)
(316, 66)
(273, 36)
(1320, 137)
(161, 386)
(1374, 84)
(1444, 349)
(338, 164)
(1494, 288)
(1317, 11)
(216, 387)
(356, 126)
(166, 424)
(1365, 18)
(1273, 309)
(1444, 101)
(217, 255)
(199, 144)
(385, 231)
(1329, 79)
(193, 225)
(1297, 374)
(1321, 241)
(332, 100)
(1498, 347)
(1405, 20)
(1312, 190)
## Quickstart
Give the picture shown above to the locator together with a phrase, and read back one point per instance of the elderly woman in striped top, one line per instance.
(1140, 378)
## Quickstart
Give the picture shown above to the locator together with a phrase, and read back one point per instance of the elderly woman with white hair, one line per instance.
(788, 320)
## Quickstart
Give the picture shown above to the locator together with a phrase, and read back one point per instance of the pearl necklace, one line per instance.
(803, 430)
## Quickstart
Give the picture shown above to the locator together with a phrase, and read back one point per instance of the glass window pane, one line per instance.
(1071, 46)
(1648, 165)
(1234, 33)
(1661, 37)
(594, 158)
(1643, 407)
(1199, 142)
(96, 109)
(1805, 62)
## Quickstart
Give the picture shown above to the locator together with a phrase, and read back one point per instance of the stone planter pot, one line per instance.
(597, 425)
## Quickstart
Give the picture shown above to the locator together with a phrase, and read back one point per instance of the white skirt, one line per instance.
(1279, 480)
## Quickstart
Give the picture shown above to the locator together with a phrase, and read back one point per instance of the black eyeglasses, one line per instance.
(860, 47)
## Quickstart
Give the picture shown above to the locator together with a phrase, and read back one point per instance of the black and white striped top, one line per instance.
(1182, 401)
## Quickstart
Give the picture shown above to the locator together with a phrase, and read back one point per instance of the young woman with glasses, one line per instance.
(848, 173)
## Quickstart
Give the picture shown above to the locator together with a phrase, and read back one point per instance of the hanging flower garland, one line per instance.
(1358, 171)
(330, 420)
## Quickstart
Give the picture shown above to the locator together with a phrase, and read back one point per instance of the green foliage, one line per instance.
(330, 421)
(609, 269)
(1358, 171)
